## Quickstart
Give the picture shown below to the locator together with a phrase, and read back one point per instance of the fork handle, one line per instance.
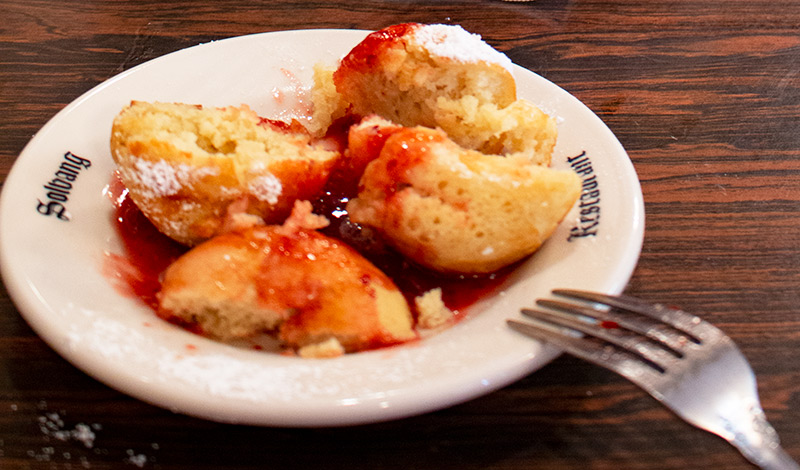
(768, 458)
(760, 444)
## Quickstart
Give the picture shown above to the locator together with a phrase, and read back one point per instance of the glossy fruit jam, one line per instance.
(148, 253)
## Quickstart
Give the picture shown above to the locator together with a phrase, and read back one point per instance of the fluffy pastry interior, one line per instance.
(458, 210)
(437, 76)
(450, 169)
(291, 279)
(188, 167)
(328, 104)
(398, 66)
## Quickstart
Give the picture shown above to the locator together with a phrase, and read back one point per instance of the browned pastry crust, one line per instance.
(289, 279)
(458, 210)
(437, 76)
(189, 168)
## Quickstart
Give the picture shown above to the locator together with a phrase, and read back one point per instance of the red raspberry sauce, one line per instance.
(148, 253)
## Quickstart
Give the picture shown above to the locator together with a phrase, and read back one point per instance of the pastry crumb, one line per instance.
(432, 311)
(325, 349)
(302, 217)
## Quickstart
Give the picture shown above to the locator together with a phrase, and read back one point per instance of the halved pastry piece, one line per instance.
(310, 289)
(189, 168)
(458, 210)
(437, 76)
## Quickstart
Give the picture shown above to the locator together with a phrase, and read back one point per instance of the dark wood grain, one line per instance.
(704, 95)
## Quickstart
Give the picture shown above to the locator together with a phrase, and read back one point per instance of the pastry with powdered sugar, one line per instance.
(195, 171)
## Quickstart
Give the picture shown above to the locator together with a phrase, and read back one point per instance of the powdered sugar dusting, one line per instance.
(238, 383)
(70, 446)
(453, 42)
(455, 165)
(159, 177)
(136, 459)
(293, 100)
(266, 188)
(220, 375)
(225, 372)
(52, 424)
(162, 178)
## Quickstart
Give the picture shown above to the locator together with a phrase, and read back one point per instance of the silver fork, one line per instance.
(686, 363)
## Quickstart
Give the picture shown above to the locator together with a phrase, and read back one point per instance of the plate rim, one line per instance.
(24, 299)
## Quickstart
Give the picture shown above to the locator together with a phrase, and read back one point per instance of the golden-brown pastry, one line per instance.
(328, 105)
(189, 168)
(458, 210)
(450, 169)
(307, 287)
(365, 140)
(439, 76)
(399, 72)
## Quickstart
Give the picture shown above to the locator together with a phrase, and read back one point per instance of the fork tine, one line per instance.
(608, 357)
(711, 386)
(696, 329)
(614, 334)
(665, 336)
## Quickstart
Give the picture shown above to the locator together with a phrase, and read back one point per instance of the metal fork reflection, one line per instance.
(686, 363)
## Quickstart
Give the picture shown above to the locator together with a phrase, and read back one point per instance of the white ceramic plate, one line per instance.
(53, 268)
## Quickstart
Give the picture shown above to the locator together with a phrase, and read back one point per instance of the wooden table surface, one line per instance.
(703, 94)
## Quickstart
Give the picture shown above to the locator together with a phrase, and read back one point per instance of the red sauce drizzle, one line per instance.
(148, 253)
(364, 55)
(458, 291)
